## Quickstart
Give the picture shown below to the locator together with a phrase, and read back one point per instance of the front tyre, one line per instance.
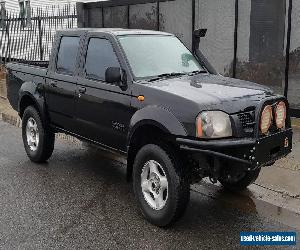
(37, 138)
(160, 185)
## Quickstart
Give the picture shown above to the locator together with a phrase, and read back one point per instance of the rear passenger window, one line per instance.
(100, 56)
(67, 54)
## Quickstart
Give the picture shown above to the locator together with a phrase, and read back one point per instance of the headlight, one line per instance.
(213, 124)
(266, 119)
(280, 115)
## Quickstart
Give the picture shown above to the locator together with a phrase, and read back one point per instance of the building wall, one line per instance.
(143, 16)
(295, 35)
(218, 16)
(94, 17)
(261, 40)
(244, 30)
(175, 17)
(116, 17)
(261, 36)
(294, 75)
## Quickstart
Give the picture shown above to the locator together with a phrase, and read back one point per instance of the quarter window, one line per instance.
(67, 55)
(100, 56)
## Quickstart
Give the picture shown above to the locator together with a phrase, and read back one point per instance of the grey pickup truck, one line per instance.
(145, 95)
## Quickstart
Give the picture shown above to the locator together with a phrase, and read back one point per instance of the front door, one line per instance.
(102, 110)
(61, 84)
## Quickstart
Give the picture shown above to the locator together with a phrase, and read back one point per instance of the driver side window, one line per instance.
(100, 56)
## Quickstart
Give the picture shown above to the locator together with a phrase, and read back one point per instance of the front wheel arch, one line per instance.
(159, 117)
(145, 134)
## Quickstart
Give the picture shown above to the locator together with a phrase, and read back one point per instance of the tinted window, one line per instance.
(66, 58)
(100, 56)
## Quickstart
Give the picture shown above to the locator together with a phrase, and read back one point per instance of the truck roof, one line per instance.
(114, 31)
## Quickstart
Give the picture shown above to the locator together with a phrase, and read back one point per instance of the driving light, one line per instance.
(280, 115)
(213, 124)
(266, 119)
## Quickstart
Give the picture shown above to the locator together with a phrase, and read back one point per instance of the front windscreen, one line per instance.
(153, 55)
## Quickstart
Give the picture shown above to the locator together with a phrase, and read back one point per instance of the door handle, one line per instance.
(81, 90)
(53, 84)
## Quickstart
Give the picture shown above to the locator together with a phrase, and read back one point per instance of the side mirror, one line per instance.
(116, 76)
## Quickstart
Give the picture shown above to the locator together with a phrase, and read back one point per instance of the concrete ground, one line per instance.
(284, 175)
(80, 200)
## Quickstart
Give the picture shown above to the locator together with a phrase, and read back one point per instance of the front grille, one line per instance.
(247, 120)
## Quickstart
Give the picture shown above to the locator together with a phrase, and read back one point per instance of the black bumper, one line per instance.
(251, 152)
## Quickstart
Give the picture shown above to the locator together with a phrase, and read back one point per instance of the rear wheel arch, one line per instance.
(27, 99)
(30, 93)
(38, 139)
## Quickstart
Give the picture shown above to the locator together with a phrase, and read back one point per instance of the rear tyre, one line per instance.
(160, 185)
(37, 138)
(242, 182)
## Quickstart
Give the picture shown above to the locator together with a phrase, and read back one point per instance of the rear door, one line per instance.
(102, 110)
(61, 82)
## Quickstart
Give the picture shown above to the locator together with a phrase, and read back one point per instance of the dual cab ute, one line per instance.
(145, 95)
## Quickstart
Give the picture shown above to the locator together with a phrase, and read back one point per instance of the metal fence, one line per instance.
(31, 39)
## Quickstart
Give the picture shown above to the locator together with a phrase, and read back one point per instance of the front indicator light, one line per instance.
(266, 119)
(280, 115)
(199, 131)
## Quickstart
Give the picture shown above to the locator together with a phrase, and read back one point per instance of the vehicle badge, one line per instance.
(286, 142)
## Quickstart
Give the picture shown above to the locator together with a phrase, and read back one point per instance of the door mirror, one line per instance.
(116, 76)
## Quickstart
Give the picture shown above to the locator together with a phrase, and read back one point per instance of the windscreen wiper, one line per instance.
(166, 75)
(196, 72)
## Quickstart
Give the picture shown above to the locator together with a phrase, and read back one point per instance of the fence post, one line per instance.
(8, 51)
(236, 24)
(288, 46)
(128, 16)
(193, 22)
(158, 15)
(40, 38)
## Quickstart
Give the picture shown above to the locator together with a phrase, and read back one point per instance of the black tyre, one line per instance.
(240, 182)
(160, 185)
(37, 138)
